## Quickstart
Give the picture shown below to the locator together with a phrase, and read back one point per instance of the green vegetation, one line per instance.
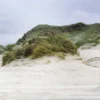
(47, 30)
(89, 34)
(7, 58)
(9, 47)
(2, 48)
(55, 45)
(78, 33)
(53, 40)
(52, 45)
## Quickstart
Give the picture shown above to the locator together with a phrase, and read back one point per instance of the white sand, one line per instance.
(51, 79)
(91, 56)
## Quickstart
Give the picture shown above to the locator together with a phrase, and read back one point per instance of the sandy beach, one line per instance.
(50, 78)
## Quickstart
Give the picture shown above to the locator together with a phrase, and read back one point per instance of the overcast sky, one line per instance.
(19, 16)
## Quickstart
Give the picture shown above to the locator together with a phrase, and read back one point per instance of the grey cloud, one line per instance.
(18, 16)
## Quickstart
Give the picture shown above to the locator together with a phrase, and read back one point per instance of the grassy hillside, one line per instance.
(78, 33)
(53, 40)
(90, 34)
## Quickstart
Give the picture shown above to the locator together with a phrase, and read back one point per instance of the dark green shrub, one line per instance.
(7, 58)
(2, 49)
(18, 53)
(28, 50)
(9, 47)
(40, 51)
(53, 45)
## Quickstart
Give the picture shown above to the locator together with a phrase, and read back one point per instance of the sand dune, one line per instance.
(50, 78)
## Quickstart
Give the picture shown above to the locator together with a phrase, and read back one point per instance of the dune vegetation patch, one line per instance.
(51, 46)
(47, 40)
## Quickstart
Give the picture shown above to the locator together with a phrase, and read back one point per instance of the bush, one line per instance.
(9, 47)
(28, 51)
(7, 58)
(18, 53)
(54, 45)
(40, 51)
(2, 48)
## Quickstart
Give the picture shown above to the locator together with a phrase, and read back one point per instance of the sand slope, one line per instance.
(50, 79)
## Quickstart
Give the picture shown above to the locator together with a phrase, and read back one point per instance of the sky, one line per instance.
(19, 16)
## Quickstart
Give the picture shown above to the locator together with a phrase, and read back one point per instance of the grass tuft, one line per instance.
(53, 45)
